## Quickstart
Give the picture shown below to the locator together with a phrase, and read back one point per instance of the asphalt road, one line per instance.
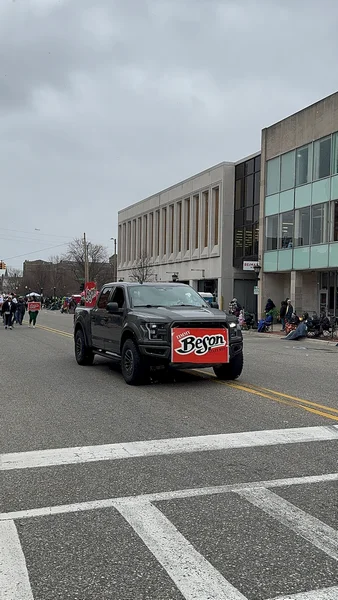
(114, 492)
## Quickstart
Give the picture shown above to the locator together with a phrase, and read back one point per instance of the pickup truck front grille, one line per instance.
(199, 324)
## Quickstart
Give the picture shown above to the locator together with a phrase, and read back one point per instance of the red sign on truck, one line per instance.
(90, 294)
(200, 346)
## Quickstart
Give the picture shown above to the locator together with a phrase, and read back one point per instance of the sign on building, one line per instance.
(249, 265)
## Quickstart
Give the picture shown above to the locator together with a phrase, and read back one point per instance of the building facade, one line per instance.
(299, 209)
(185, 231)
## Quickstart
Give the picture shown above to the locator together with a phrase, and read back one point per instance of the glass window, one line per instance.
(322, 158)
(249, 190)
(187, 223)
(335, 222)
(256, 213)
(248, 215)
(249, 166)
(206, 218)
(273, 176)
(239, 171)
(286, 229)
(287, 171)
(302, 226)
(257, 163)
(118, 296)
(239, 237)
(303, 164)
(335, 154)
(271, 232)
(239, 189)
(215, 193)
(256, 239)
(104, 297)
(319, 223)
(257, 188)
(239, 218)
(197, 218)
(179, 226)
(248, 241)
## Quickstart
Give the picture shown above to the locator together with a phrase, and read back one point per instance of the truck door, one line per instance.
(115, 320)
(99, 319)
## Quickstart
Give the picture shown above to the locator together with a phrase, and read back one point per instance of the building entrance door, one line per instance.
(323, 303)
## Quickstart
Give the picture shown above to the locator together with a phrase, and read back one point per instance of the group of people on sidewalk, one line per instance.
(13, 310)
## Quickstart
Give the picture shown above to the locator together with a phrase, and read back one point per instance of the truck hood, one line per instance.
(181, 313)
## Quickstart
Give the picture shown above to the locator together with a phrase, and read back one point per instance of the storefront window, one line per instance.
(303, 164)
(322, 158)
(287, 171)
(271, 232)
(302, 226)
(273, 176)
(286, 229)
(239, 188)
(319, 224)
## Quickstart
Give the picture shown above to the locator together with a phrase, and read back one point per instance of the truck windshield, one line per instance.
(175, 295)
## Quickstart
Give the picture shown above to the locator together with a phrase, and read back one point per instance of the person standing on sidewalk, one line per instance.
(282, 313)
(8, 310)
(33, 314)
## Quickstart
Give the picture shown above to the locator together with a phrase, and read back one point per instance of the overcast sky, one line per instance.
(105, 102)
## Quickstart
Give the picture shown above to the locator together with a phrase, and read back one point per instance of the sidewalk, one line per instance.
(276, 332)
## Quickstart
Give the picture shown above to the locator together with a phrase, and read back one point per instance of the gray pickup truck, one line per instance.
(149, 325)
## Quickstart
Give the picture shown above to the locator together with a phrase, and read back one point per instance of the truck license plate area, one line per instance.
(199, 345)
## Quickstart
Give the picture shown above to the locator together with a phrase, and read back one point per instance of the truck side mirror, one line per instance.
(112, 307)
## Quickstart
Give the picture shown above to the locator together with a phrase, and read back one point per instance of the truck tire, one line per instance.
(83, 354)
(231, 370)
(134, 371)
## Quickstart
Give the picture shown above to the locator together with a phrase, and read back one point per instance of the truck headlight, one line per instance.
(154, 331)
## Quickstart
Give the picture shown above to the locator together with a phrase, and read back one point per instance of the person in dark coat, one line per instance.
(20, 311)
(8, 310)
(270, 305)
(282, 313)
(289, 311)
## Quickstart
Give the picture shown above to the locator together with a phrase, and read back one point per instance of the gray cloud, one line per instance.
(103, 103)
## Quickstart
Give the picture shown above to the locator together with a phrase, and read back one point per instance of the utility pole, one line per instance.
(86, 266)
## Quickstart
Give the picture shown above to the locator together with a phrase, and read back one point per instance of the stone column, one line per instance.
(296, 295)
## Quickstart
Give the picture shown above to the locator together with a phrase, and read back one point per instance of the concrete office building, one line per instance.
(299, 209)
(186, 231)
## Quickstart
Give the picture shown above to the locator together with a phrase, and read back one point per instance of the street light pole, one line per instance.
(86, 269)
(115, 258)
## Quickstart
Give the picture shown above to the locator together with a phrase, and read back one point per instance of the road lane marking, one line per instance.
(293, 398)
(274, 395)
(192, 574)
(324, 537)
(203, 443)
(14, 580)
(47, 511)
(322, 594)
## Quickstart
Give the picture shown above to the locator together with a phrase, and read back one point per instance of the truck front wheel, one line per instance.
(83, 354)
(134, 370)
(230, 370)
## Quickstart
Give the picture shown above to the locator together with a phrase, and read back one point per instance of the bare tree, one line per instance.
(97, 259)
(56, 274)
(143, 270)
(12, 281)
